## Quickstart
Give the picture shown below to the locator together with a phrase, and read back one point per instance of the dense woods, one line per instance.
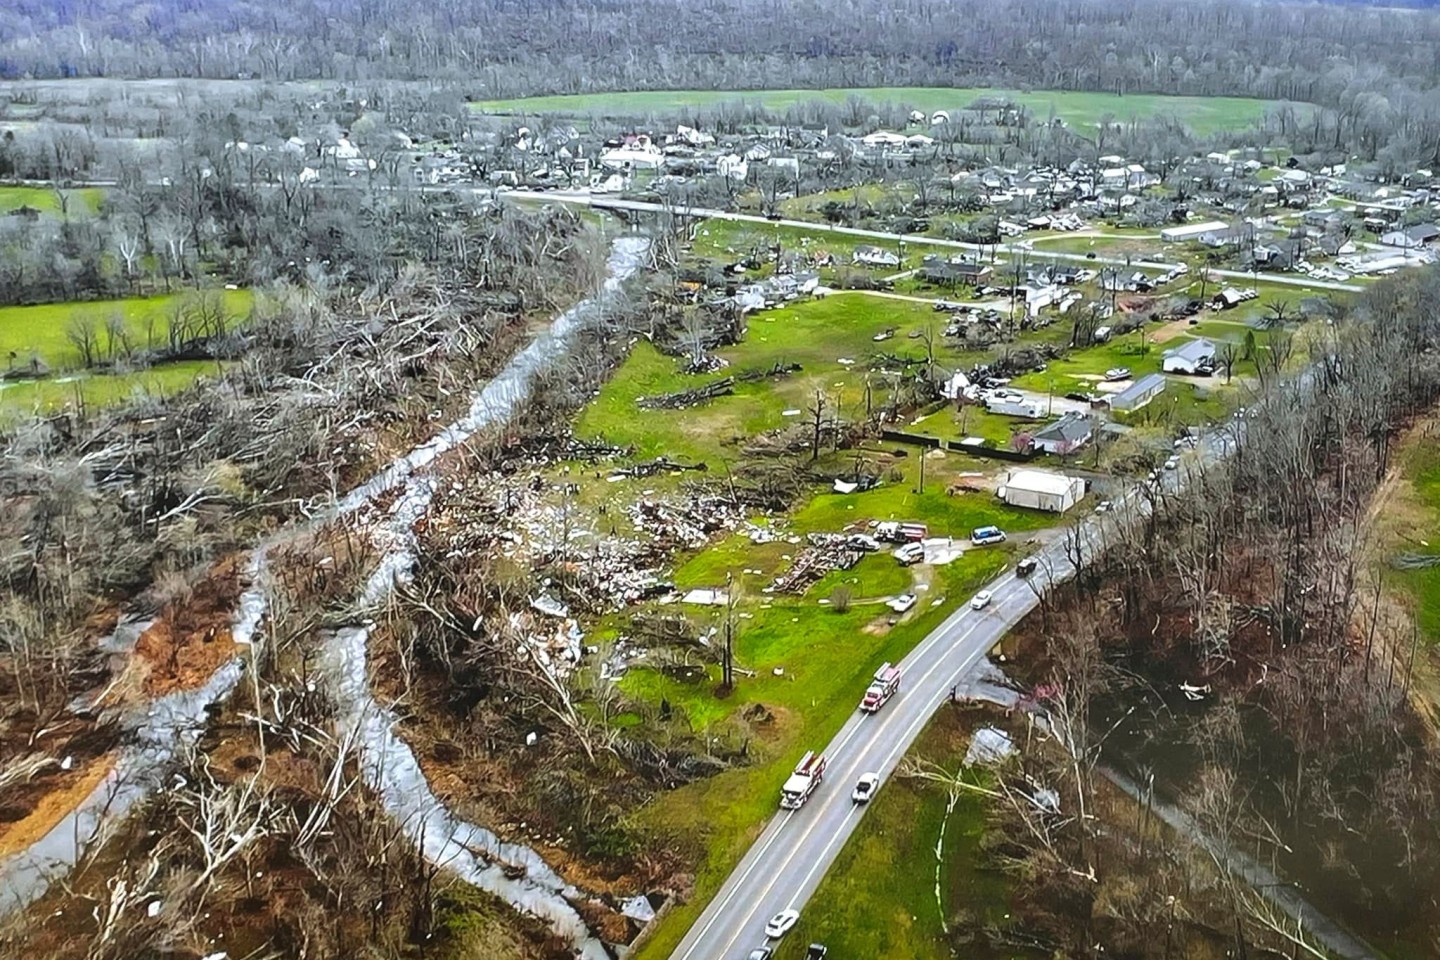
(1318, 53)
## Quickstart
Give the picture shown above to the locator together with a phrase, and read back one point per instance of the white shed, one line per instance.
(1040, 490)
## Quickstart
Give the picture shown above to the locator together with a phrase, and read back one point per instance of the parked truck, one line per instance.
(807, 776)
(881, 689)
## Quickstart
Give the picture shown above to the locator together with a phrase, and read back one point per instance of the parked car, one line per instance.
(1103, 506)
(1172, 463)
(902, 603)
(1117, 373)
(760, 953)
(1025, 567)
(910, 553)
(865, 787)
(981, 600)
(816, 951)
(781, 923)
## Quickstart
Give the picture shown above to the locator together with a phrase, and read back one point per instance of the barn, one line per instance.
(1040, 490)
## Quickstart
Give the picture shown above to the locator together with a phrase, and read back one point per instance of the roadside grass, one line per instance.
(1202, 115)
(722, 241)
(827, 658)
(879, 897)
(43, 330)
(99, 390)
(1419, 469)
(83, 201)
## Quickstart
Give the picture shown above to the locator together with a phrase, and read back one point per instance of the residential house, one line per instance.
(1064, 436)
(1230, 297)
(1411, 238)
(1139, 393)
(1194, 358)
(935, 269)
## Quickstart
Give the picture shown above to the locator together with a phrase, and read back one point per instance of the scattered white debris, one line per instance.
(67, 763)
(779, 671)
(705, 597)
(1193, 692)
(790, 413)
(989, 745)
(638, 909)
(152, 909)
(530, 738)
(846, 486)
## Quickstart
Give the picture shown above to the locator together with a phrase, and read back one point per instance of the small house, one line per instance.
(1411, 238)
(1195, 358)
(1064, 436)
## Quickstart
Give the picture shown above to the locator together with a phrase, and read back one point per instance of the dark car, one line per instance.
(1025, 567)
(816, 951)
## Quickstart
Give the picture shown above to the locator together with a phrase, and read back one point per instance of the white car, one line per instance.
(902, 603)
(865, 787)
(1172, 463)
(781, 923)
(981, 601)
(1103, 506)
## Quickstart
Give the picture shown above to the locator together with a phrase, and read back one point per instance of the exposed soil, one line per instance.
(190, 639)
(44, 801)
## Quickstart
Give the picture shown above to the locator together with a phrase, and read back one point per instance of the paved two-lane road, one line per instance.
(788, 861)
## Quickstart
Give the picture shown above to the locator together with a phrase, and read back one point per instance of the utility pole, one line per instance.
(727, 658)
(921, 487)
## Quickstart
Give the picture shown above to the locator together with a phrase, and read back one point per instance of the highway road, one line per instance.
(787, 862)
(602, 202)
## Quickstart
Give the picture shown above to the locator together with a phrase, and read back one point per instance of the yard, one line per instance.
(81, 202)
(817, 334)
(1203, 115)
(44, 331)
(99, 390)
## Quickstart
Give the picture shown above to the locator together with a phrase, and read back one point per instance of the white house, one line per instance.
(1197, 357)
(1039, 490)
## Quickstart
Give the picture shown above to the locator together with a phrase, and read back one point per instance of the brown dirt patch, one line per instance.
(190, 639)
(66, 792)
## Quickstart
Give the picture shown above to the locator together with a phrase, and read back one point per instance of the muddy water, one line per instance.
(162, 729)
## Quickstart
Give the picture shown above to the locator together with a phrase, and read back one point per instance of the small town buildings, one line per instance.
(1041, 490)
(1139, 393)
(1195, 358)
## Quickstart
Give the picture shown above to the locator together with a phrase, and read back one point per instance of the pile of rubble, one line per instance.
(826, 552)
(716, 388)
(687, 524)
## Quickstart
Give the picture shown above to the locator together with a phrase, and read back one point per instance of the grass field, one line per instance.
(42, 330)
(82, 202)
(815, 334)
(1203, 115)
(98, 390)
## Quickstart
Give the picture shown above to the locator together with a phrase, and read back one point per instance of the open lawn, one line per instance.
(1203, 115)
(43, 330)
(816, 334)
(80, 202)
(1416, 526)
